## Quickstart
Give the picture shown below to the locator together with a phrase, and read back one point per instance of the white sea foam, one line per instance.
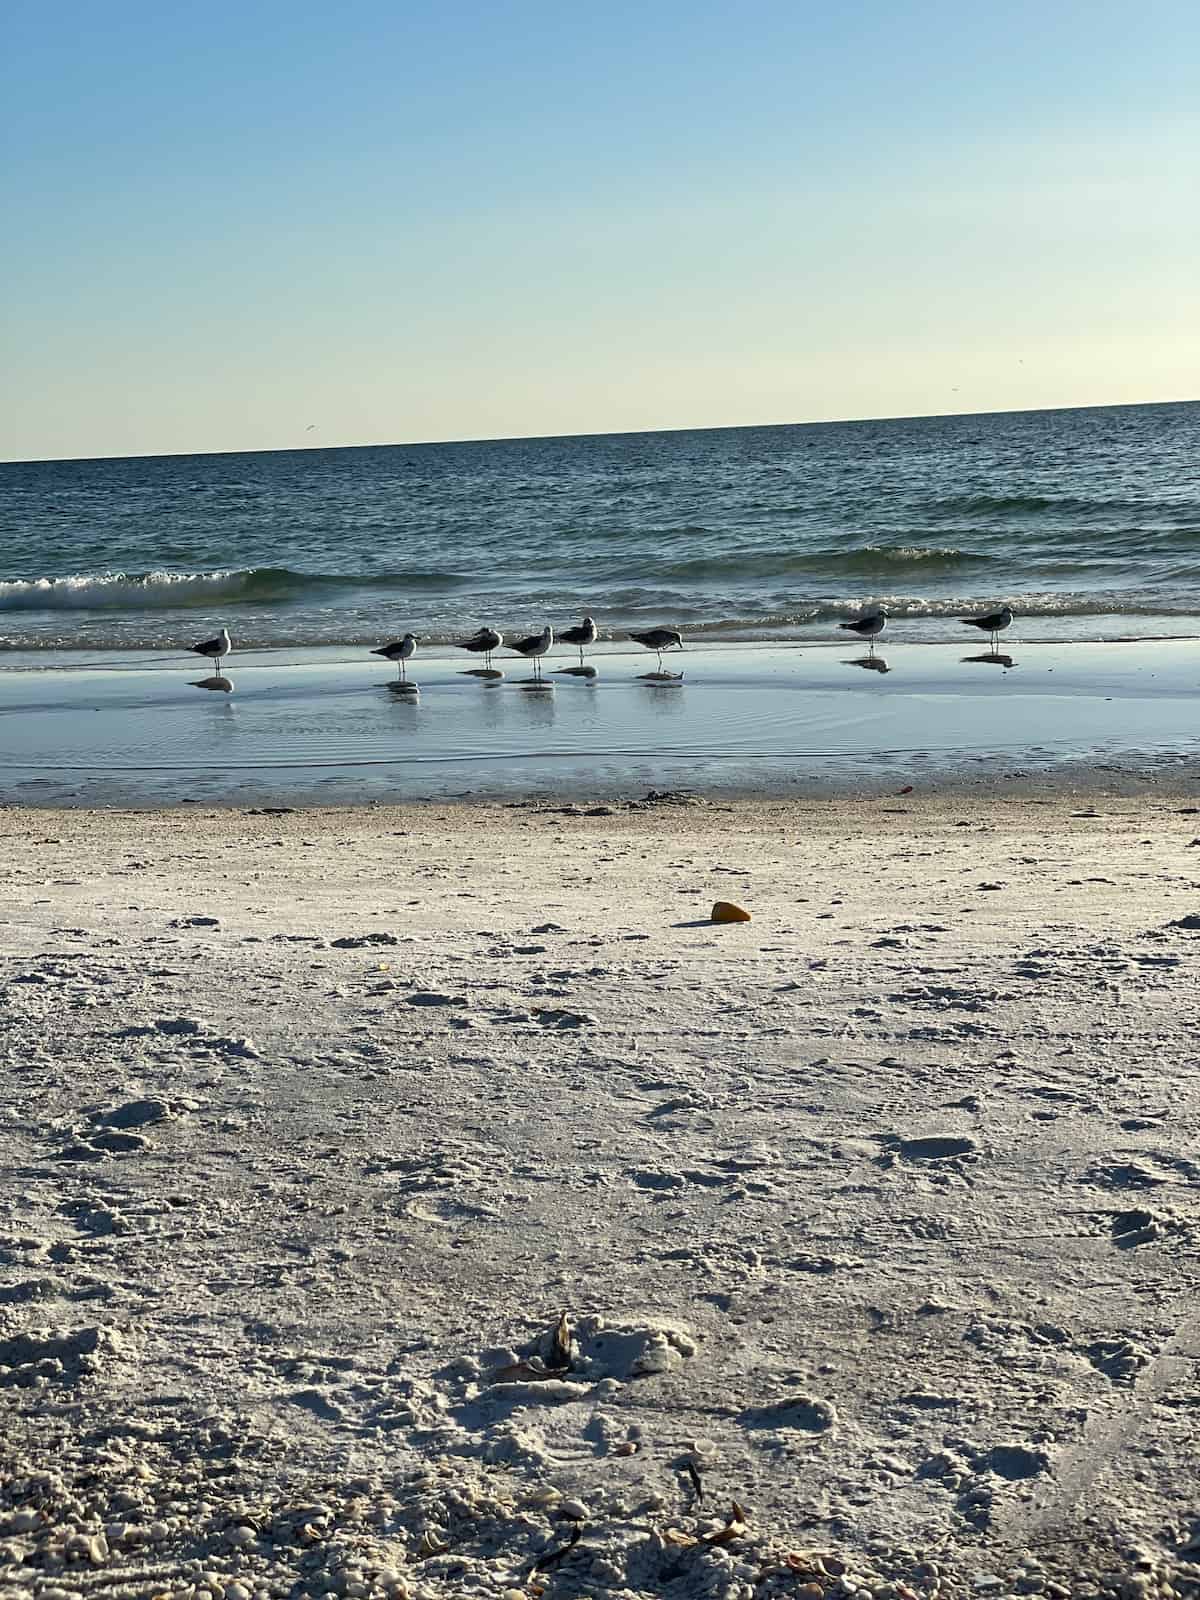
(88, 591)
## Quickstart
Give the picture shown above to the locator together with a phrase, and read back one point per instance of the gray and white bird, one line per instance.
(535, 647)
(482, 643)
(993, 623)
(868, 627)
(658, 640)
(585, 634)
(400, 651)
(214, 649)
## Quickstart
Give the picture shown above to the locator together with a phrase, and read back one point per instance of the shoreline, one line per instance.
(871, 1217)
(918, 631)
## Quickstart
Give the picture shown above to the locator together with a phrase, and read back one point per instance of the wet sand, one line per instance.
(742, 719)
(432, 1201)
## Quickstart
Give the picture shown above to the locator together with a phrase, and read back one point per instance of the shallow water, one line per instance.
(741, 717)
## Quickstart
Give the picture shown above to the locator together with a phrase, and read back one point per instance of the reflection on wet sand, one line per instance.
(660, 677)
(217, 681)
(872, 663)
(537, 710)
(660, 696)
(993, 658)
(575, 672)
(489, 674)
(404, 689)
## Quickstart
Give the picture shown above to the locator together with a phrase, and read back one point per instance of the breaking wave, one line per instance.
(150, 591)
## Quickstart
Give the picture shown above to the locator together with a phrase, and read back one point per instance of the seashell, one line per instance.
(726, 911)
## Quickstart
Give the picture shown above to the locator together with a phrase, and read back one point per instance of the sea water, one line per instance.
(1086, 522)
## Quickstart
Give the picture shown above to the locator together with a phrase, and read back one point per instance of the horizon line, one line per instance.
(616, 433)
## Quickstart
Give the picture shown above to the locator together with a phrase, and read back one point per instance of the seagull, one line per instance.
(584, 634)
(868, 627)
(658, 640)
(482, 643)
(214, 649)
(399, 652)
(534, 647)
(994, 623)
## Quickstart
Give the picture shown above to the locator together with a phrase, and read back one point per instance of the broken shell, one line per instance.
(726, 911)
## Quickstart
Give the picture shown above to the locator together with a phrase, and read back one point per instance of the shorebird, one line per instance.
(214, 649)
(658, 640)
(868, 627)
(535, 647)
(994, 623)
(482, 643)
(584, 634)
(399, 652)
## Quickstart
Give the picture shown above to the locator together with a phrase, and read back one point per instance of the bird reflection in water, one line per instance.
(218, 681)
(993, 658)
(661, 693)
(872, 663)
(404, 690)
(538, 708)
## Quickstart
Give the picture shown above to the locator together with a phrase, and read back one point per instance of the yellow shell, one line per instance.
(726, 911)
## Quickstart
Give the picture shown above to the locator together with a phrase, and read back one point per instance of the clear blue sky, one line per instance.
(225, 223)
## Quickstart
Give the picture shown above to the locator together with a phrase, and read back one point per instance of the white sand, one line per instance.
(877, 1214)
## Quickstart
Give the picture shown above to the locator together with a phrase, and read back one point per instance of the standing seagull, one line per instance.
(399, 652)
(993, 623)
(535, 647)
(658, 640)
(482, 643)
(868, 627)
(584, 634)
(214, 649)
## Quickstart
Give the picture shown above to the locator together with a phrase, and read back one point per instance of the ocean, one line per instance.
(1086, 519)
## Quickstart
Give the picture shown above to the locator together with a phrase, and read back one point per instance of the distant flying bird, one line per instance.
(310, 427)
(658, 640)
(993, 623)
(535, 647)
(214, 649)
(868, 627)
(399, 652)
(482, 643)
(584, 634)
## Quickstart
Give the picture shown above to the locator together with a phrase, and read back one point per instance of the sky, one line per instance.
(271, 225)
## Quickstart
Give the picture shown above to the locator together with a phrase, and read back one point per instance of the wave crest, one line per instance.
(168, 591)
(866, 559)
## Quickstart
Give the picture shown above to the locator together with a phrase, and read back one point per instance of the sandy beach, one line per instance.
(428, 1202)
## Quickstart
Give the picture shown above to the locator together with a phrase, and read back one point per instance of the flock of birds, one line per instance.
(486, 641)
